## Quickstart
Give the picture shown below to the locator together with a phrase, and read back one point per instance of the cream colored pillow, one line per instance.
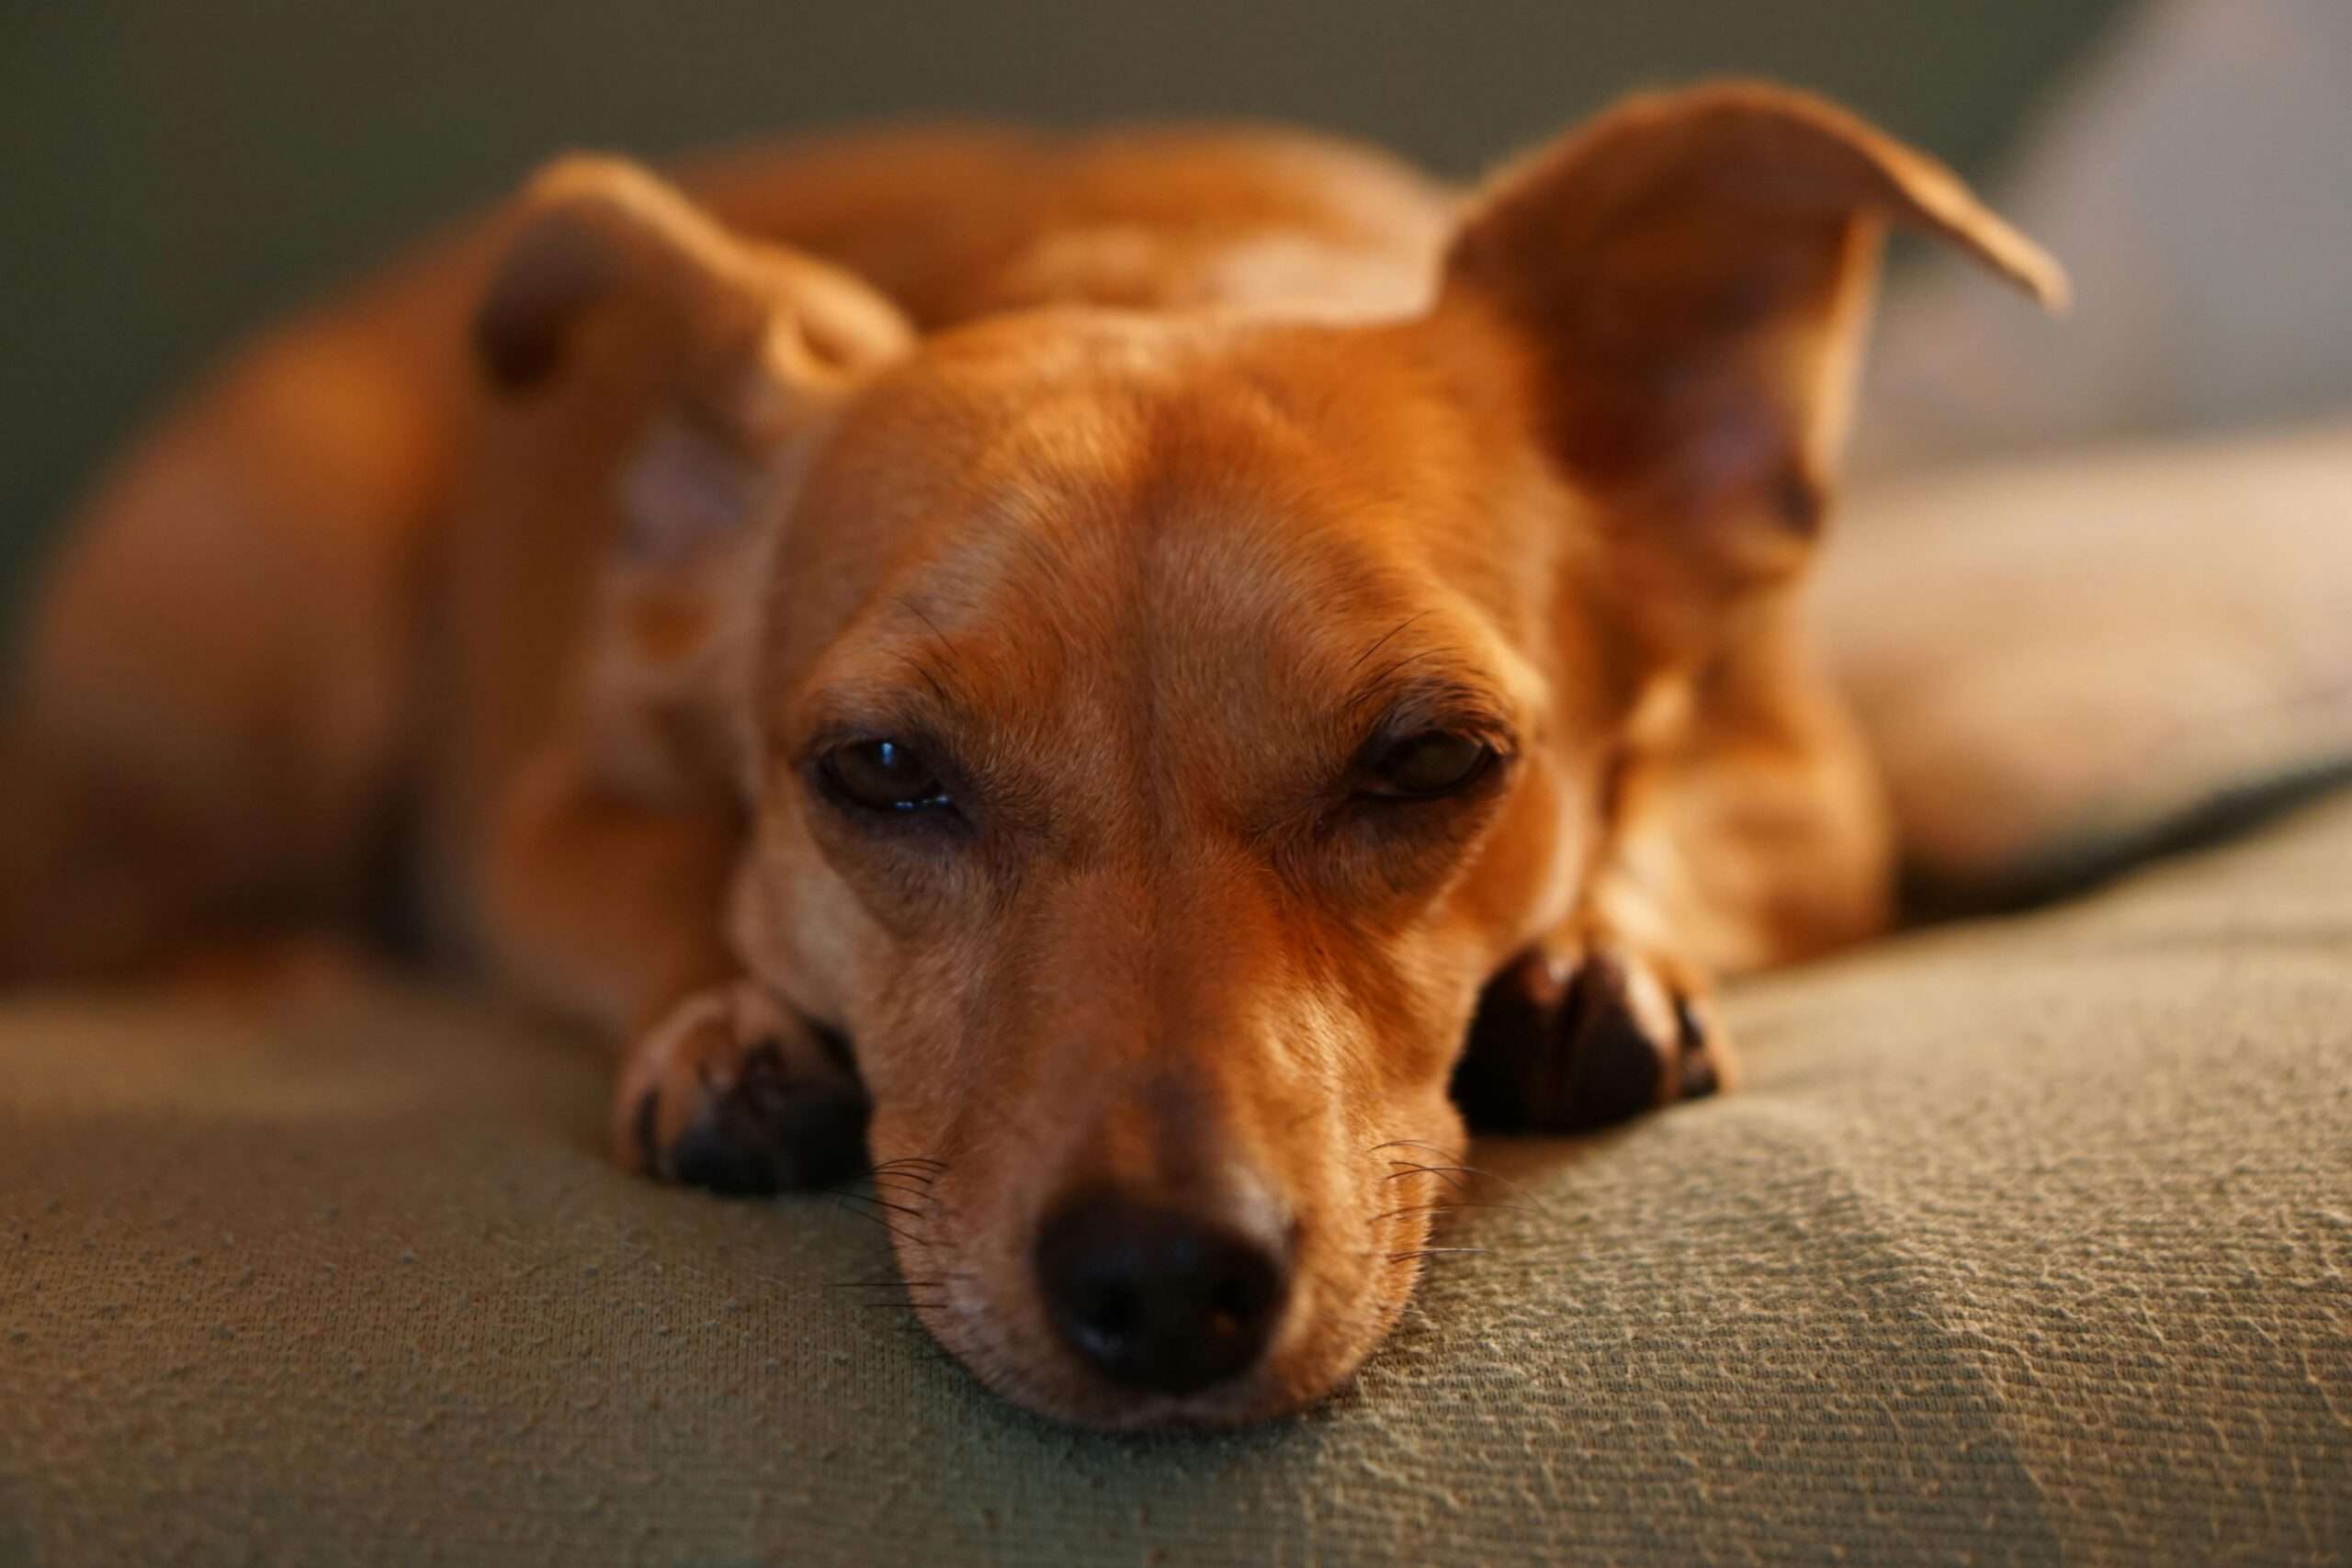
(2060, 658)
(2066, 658)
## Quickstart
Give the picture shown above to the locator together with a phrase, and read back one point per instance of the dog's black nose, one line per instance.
(1158, 1298)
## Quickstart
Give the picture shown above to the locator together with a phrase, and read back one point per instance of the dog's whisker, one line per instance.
(912, 1211)
(1444, 1174)
(907, 1210)
(872, 1203)
(1438, 1150)
(921, 1190)
(934, 1286)
(908, 1236)
(1471, 1170)
(1446, 1207)
(915, 1204)
(1537, 1199)
(1436, 1252)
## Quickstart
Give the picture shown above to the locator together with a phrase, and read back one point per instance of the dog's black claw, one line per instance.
(648, 1147)
(1499, 1081)
(1549, 1057)
(1613, 1065)
(1695, 1075)
(767, 1132)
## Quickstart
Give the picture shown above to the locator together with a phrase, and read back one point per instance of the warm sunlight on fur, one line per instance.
(1105, 701)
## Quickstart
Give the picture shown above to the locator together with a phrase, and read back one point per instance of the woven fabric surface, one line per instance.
(2028, 1241)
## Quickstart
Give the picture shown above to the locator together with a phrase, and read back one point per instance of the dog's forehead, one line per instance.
(1214, 507)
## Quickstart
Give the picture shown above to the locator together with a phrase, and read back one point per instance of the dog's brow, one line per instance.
(1384, 639)
(933, 677)
(1432, 672)
(1384, 679)
(1433, 687)
(923, 672)
(877, 704)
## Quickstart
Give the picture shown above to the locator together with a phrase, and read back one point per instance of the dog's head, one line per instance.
(1158, 727)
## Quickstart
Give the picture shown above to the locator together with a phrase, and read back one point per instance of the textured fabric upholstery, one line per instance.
(2028, 1241)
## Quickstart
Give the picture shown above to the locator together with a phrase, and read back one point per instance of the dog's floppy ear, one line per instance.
(768, 338)
(603, 232)
(729, 359)
(1692, 273)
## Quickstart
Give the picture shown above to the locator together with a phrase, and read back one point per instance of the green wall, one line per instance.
(175, 172)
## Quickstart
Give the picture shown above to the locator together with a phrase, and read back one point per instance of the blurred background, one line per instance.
(175, 174)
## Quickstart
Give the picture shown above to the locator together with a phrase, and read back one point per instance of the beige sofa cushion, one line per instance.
(2029, 1239)
(2059, 660)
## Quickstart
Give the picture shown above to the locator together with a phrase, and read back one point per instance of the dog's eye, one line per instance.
(1432, 764)
(882, 776)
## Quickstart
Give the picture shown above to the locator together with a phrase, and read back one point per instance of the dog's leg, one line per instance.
(1752, 834)
(609, 907)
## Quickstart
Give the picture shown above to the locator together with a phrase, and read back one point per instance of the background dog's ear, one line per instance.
(680, 424)
(603, 232)
(1692, 273)
(767, 337)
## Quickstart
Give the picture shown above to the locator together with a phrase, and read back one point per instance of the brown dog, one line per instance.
(1105, 666)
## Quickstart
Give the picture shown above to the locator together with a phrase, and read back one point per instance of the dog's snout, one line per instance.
(1159, 1299)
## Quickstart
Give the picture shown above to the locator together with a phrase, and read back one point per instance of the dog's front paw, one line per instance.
(731, 1092)
(1574, 1035)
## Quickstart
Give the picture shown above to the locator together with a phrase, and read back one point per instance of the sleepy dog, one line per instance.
(1138, 678)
